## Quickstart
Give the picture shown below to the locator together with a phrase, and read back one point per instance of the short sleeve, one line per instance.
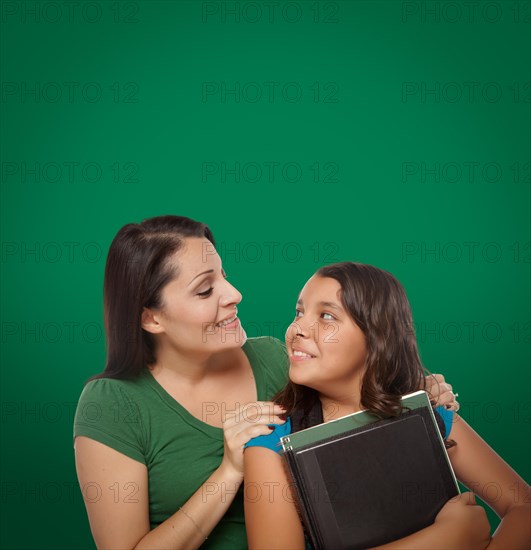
(279, 369)
(107, 414)
(447, 418)
(273, 360)
(272, 441)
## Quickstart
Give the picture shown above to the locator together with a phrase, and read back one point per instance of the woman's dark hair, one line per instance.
(137, 269)
(378, 304)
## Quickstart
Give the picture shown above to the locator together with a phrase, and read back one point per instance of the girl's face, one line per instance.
(326, 348)
(198, 313)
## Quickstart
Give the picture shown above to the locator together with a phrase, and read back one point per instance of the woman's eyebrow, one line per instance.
(199, 275)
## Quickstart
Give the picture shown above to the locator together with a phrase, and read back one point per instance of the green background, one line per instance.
(128, 121)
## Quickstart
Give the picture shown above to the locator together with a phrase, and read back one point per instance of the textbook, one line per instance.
(362, 481)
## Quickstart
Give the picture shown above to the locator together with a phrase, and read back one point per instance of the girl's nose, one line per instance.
(298, 329)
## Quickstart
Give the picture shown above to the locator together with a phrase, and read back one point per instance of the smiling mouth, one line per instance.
(302, 355)
(227, 321)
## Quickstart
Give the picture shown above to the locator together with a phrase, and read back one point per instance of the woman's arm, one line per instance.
(485, 473)
(123, 523)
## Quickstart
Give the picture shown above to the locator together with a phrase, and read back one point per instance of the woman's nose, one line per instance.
(231, 295)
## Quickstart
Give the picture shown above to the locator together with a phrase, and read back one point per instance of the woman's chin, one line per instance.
(234, 338)
(243, 336)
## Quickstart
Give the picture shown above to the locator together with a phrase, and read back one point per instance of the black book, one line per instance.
(362, 481)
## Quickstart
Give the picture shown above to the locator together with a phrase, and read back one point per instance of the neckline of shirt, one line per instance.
(192, 420)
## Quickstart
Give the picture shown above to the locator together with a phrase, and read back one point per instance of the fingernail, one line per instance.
(271, 428)
(282, 416)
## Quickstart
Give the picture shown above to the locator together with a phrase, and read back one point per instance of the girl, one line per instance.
(351, 347)
(159, 435)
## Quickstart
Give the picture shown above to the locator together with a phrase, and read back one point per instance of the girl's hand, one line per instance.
(243, 424)
(465, 523)
(441, 392)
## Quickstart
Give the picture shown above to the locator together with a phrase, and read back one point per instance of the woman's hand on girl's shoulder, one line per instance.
(440, 392)
(244, 423)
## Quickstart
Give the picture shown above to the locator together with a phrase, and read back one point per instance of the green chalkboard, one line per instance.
(388, 132)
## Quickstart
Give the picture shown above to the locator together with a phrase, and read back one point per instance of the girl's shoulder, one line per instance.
(272, 440)
(447, 417)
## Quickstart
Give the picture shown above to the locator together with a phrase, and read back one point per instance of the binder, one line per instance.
(362, 481)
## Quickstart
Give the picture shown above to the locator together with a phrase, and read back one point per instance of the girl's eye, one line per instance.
(298, 313)
(330, 317)
(206, 292)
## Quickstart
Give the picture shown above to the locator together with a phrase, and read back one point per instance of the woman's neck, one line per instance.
(191, 368)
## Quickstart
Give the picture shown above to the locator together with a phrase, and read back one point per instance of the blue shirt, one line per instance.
(272, 441)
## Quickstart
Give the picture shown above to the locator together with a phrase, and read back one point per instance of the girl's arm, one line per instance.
(461, 523)
(272, 520)
(485, 473)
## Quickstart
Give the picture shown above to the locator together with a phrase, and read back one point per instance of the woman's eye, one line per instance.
(298, 313)
(206, 292)
(328, 317)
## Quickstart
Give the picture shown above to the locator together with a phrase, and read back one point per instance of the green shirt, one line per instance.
(139, 419)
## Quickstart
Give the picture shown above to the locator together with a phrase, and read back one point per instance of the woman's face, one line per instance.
(326, 348)
(198, 313)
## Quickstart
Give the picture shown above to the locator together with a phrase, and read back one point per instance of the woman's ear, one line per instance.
(150, 321)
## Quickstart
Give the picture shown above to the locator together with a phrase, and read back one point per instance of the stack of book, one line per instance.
(362, 481)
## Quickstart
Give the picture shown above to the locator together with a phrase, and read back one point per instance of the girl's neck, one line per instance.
(336, 407)
(341, 398)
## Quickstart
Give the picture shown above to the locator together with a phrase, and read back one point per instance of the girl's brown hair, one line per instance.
(378, 304)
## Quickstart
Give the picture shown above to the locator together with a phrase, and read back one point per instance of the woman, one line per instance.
(351, 348)
(159, 435)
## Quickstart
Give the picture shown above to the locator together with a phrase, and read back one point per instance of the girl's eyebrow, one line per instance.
(330, 304)
(323, 304)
